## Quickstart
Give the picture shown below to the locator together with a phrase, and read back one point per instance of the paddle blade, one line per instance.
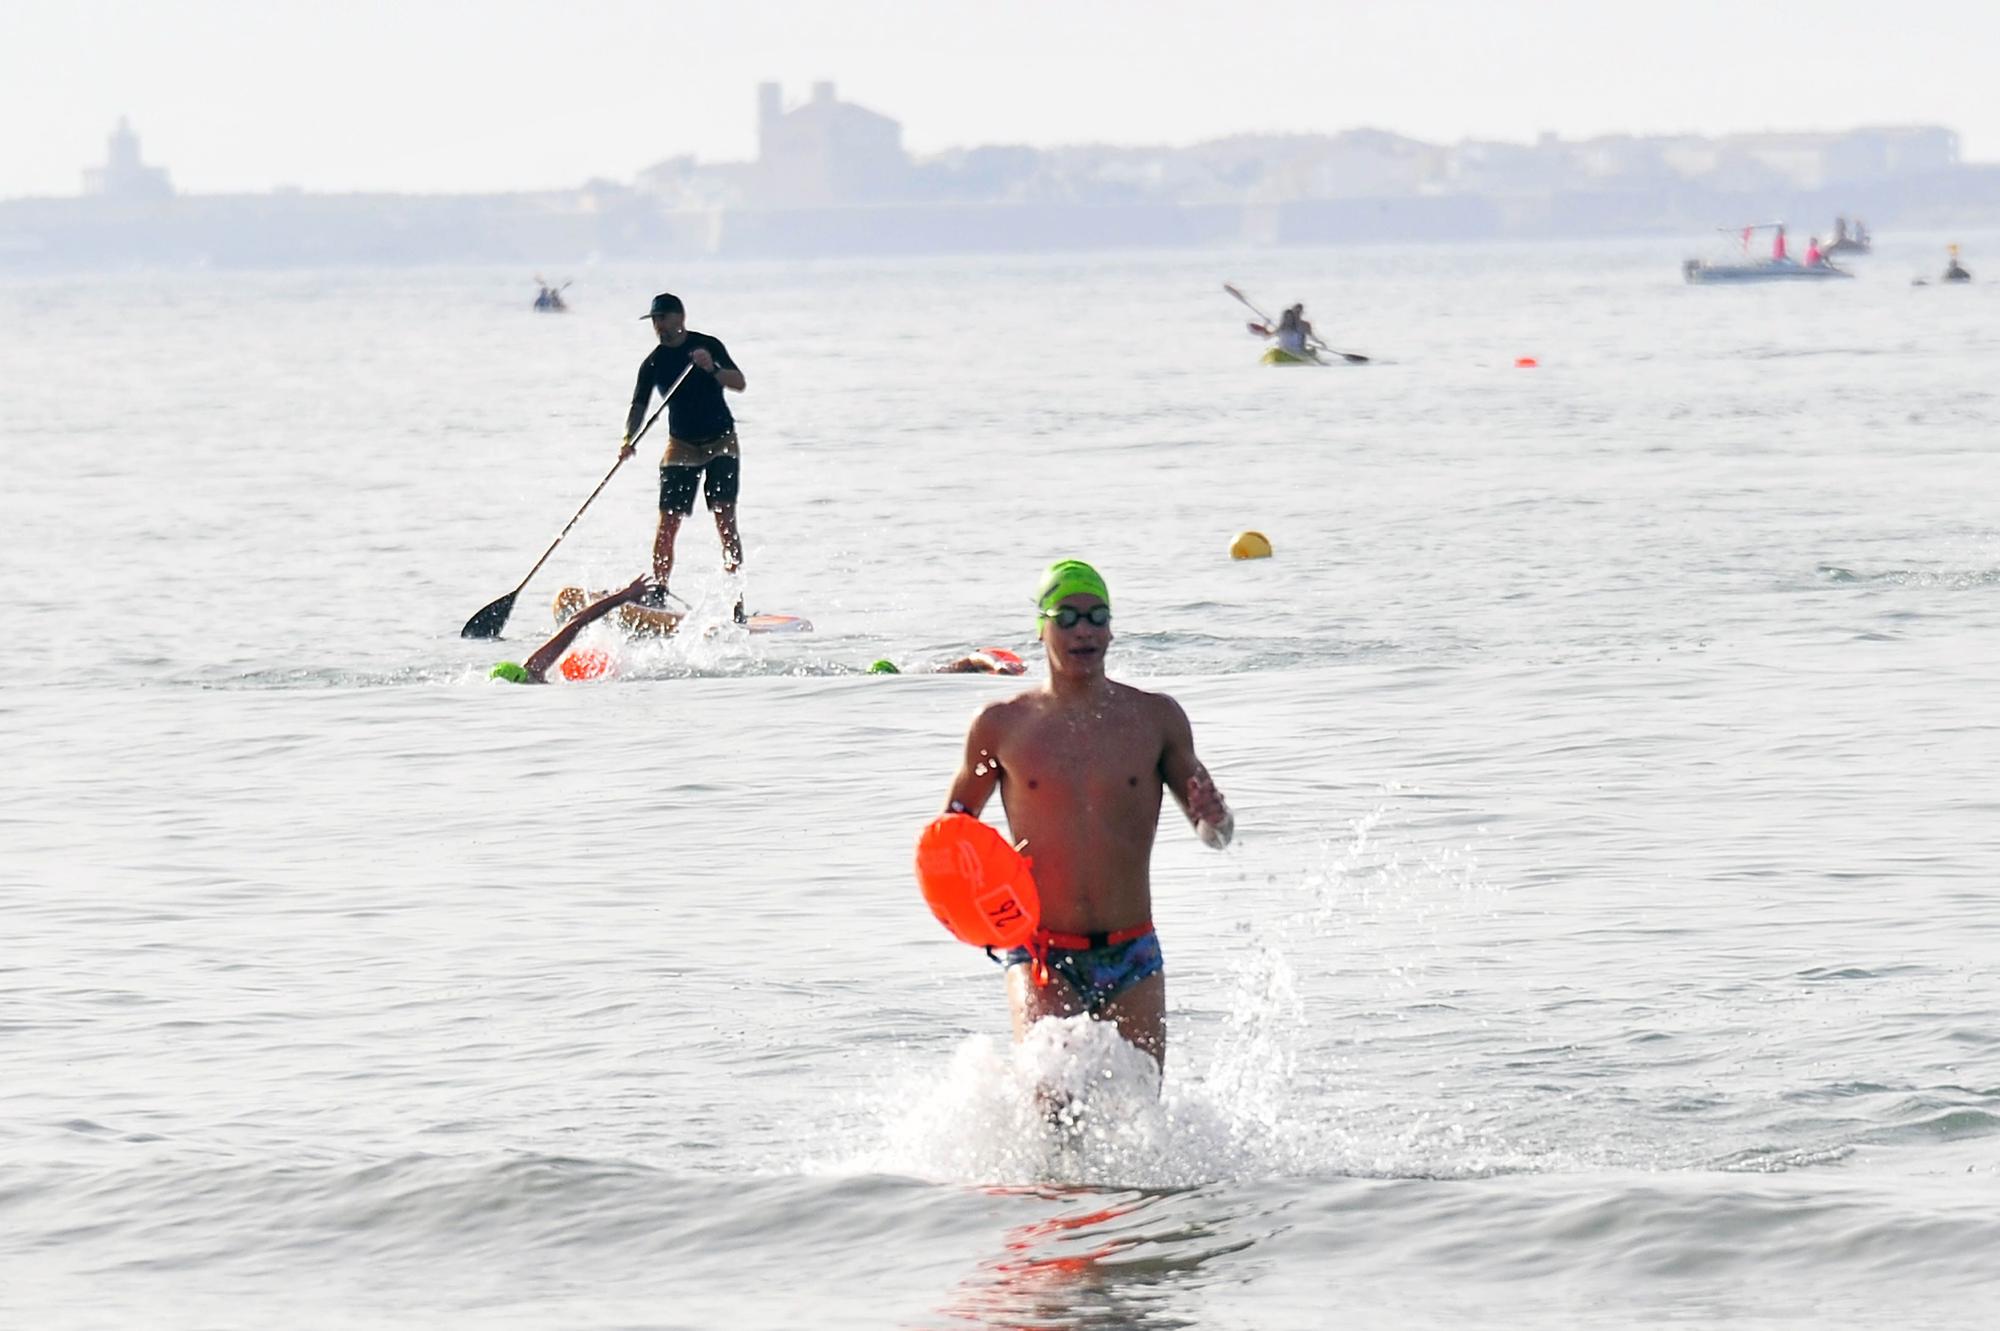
(489, 621)
(1352, 357)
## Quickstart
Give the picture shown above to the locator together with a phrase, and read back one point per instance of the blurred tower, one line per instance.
(124, 175)
(826, 152)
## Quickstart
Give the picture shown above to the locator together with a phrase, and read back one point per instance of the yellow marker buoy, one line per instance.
(1250, 545)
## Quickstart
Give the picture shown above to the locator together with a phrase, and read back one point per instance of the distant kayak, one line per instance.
(1279, 356)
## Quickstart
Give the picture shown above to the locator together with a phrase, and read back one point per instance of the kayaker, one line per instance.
(1813, 256)
(1292, 331)
(701, 437)
(1953, 272)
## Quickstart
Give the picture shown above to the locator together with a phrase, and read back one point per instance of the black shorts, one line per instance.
(678, 484)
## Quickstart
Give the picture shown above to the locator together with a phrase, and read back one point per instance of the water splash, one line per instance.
(1074, 1104)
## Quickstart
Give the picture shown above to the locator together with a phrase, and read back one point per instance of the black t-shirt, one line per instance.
(697, 411)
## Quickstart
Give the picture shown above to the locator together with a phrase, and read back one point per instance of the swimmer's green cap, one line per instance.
(1066, 578)
(884, 668)
(511, 671)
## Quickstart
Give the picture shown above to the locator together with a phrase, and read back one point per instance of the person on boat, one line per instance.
(1953, 272)
(1778, 254)
(535, 670)
(1814, 257)
(1080, 764)
(702, 450)
(1839, 233)
(1290, 333)
(1294, 335)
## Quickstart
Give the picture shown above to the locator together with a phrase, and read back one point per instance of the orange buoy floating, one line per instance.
(586, 663)
(977, 885)
(1525, 362)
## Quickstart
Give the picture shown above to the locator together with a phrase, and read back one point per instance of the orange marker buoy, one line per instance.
(1525, 362)
(587, 663)
(977, 885)
(1000, 661)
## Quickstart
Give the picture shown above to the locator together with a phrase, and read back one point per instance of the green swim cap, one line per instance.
(511, 671)
(884, 668)
(1065, 578)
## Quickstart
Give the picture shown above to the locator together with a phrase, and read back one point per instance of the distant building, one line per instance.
(1889, 153)
(1354, 164)
(123, 176)
(825, 152)
(1814, 161)
(1475, 167)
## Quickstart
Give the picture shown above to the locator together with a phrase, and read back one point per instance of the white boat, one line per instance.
(1778, 267)
(1702, 272)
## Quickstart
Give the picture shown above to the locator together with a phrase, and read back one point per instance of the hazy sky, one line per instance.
(455, 95)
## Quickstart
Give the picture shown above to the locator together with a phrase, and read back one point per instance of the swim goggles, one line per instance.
(1068, 616)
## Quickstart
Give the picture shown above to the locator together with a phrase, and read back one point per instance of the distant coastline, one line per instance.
(832, 180)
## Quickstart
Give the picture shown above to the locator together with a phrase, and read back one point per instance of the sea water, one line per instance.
(1609, 938)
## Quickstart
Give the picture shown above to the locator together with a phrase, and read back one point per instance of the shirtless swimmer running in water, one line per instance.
(1080, 764)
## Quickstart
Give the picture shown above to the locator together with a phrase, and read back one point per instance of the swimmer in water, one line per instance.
(535, 670)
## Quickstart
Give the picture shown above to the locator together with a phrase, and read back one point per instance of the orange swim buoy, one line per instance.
(586, 663)
(1000, 661)
(977, 885)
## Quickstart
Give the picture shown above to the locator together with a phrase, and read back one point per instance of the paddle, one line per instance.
(1262, 317)
(492, 618)
(1351, 357)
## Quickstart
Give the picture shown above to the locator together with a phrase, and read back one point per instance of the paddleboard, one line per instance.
(657, 622)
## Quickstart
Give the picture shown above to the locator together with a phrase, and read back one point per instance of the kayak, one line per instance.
(1322, 356)
(657, 622)
(1278, 356)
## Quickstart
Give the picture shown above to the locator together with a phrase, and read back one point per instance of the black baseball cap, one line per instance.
(665, 303)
